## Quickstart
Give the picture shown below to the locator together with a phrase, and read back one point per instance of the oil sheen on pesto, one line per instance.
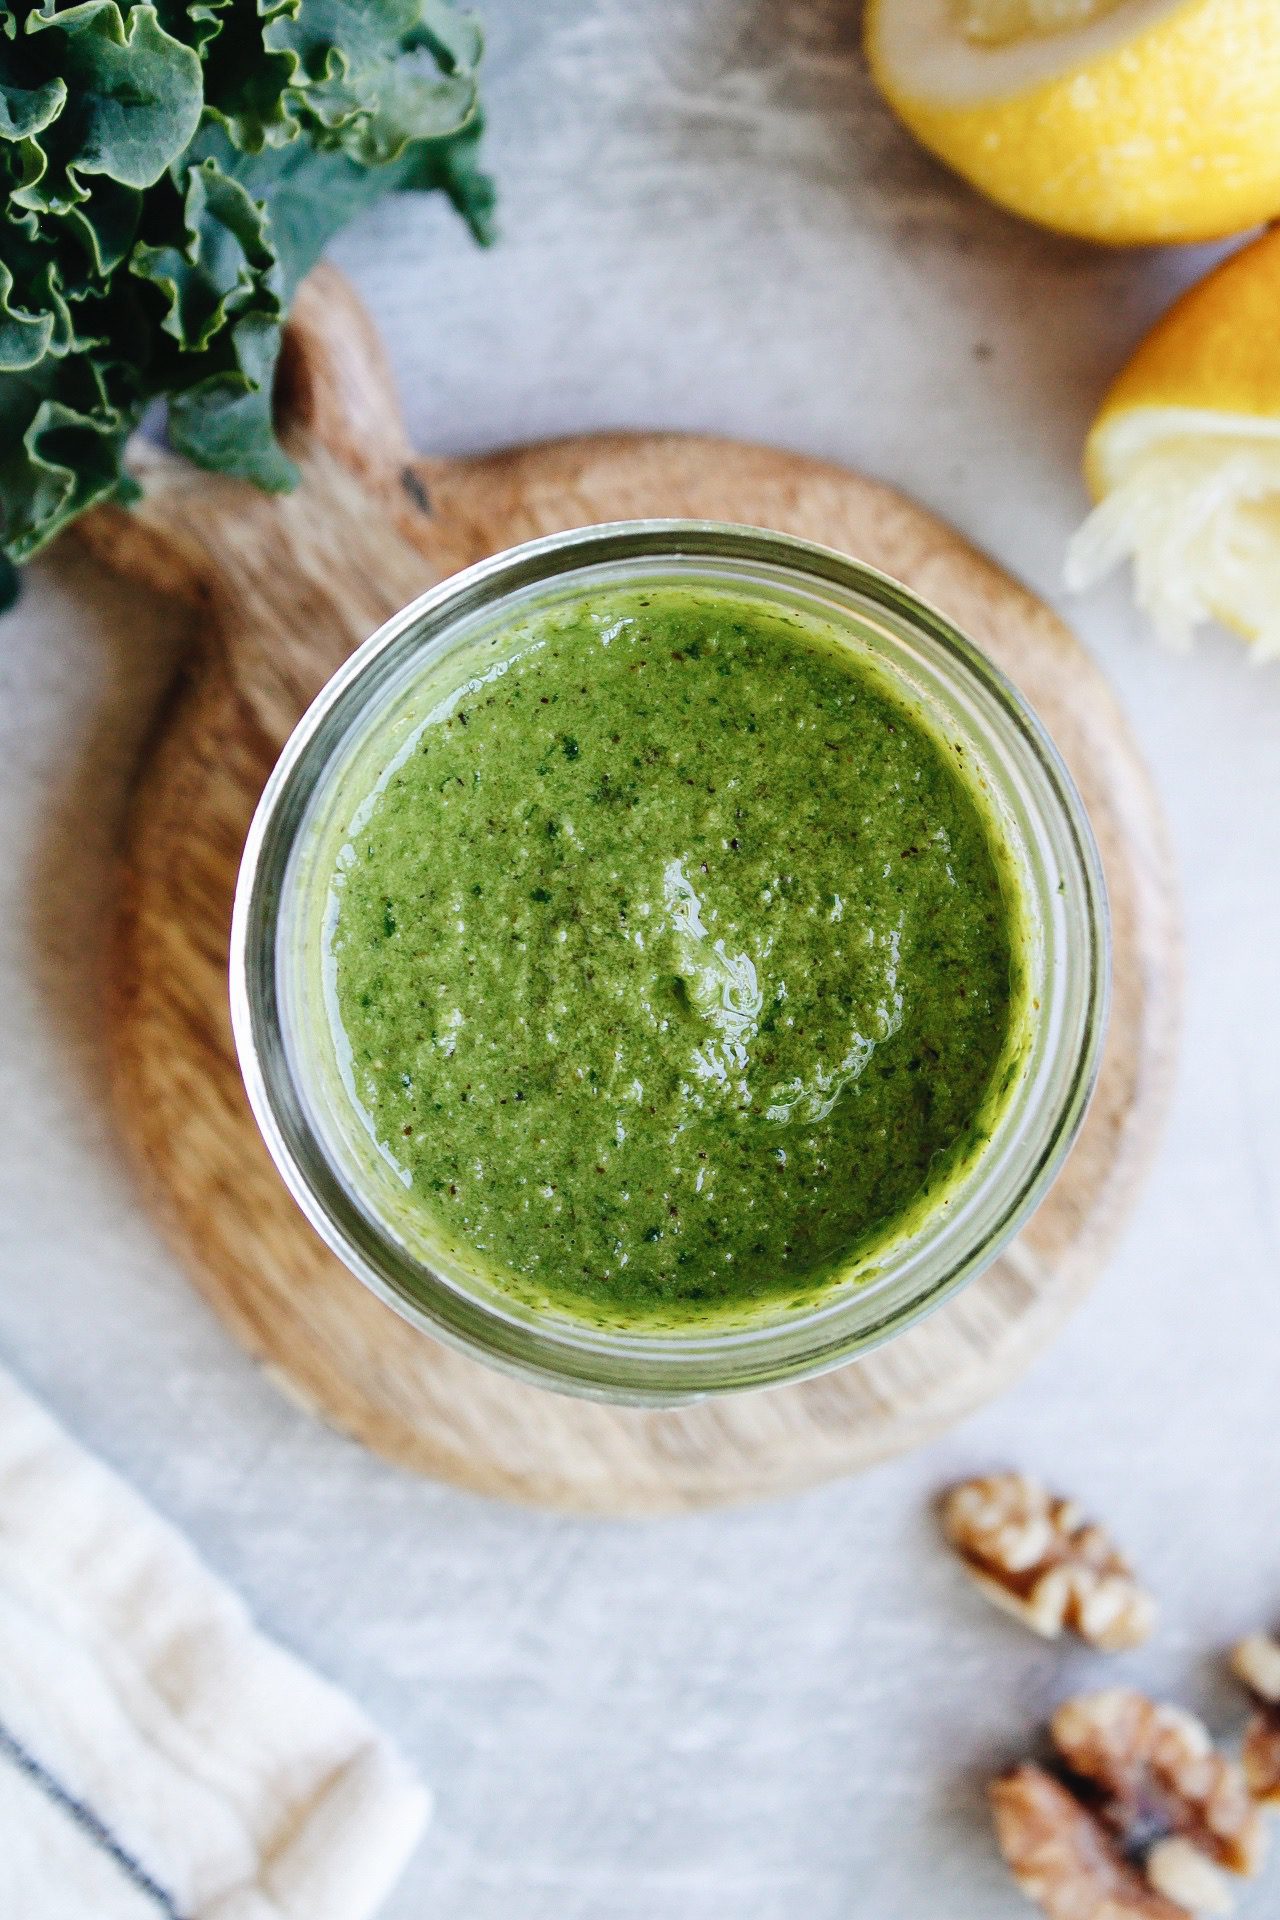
(675, 961)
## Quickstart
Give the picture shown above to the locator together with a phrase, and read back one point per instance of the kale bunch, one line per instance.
(170, 171)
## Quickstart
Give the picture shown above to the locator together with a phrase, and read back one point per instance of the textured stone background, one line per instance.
(710, 222)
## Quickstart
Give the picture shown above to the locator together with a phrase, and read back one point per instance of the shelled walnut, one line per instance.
(1035, 1555)
(1256, 1661)
(1143, 1819)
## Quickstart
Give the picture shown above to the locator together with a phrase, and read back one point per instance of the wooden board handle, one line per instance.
(199, 538)
(334, 382)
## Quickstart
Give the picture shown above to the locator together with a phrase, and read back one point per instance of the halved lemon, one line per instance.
(1118, 120)
(1184, 459)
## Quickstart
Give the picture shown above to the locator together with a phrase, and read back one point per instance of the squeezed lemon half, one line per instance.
(1184, 460)
(1117, 120)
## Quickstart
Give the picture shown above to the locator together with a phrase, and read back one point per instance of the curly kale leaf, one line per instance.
(171, 171)
(223, 303)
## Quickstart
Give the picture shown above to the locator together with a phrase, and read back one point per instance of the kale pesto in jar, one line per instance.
(675, 961)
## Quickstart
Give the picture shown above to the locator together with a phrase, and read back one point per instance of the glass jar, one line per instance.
(281, 978)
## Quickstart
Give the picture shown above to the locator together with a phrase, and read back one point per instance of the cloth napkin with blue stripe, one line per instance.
(160, 1759)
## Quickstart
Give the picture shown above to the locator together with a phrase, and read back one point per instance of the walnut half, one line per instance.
(1142, 1820)
(1257, 1662)
(1035, 1555)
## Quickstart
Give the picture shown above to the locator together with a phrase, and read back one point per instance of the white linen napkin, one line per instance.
(159, 1758)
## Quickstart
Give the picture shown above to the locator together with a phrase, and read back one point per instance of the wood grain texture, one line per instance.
(281, 589)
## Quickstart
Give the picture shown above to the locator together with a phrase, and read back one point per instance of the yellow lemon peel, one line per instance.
(1124, 121)
(1184, 460)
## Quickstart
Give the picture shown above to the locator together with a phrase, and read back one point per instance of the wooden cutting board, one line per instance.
(279, 591)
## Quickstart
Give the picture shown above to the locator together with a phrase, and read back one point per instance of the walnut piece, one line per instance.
(1257, 1662)
(1035, 1555)
(1157, 1773)
(1064, 1858)
(1143, 1820)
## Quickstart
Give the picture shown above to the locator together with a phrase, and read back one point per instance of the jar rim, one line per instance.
(630, 1364)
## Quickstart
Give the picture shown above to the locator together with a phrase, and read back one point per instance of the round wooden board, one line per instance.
(280, 589)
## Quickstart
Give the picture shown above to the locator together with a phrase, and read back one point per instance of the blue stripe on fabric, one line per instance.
(88, 1822)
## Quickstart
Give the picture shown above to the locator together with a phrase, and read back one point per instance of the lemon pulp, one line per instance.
(1198, 514)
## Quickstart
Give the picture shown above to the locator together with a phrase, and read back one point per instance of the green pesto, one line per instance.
(675, 962)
